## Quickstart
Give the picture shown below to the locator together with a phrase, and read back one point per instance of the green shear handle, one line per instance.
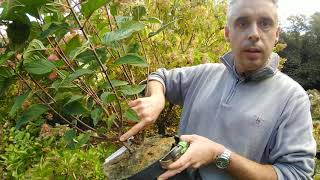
(174, 154)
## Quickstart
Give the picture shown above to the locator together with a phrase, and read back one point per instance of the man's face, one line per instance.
(252, 31)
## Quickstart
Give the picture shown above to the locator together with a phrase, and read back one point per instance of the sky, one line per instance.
(294, 7)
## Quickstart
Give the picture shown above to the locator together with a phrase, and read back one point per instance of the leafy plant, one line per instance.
(73, 65)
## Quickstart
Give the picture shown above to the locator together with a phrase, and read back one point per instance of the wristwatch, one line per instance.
(223, 160)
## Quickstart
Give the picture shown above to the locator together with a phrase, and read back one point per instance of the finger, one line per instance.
(187, 138)
(173, 172)
(168, 174)
(137, 109)
(196, 165)
(185, 159)
(134, 102)
(133, 131)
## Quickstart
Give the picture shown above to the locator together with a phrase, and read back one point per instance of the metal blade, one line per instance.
(115, 154)
(120, 151)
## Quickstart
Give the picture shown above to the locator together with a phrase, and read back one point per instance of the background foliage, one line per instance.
(68, 69)
(303, 44)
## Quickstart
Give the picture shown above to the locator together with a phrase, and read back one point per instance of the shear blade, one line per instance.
(115, 154)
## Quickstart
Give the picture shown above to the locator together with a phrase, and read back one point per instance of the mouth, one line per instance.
(253, 53)
(253, 50)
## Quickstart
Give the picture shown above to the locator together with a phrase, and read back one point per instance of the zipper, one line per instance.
(232, 91)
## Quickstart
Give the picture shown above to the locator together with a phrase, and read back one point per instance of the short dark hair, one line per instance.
(231, 2)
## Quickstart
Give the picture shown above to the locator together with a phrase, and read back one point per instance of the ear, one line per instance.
(227, 33)
(278, 34)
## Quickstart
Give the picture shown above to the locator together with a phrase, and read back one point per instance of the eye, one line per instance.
(266, 23)
(242, 23)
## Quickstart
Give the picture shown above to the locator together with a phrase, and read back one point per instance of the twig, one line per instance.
(103, 68)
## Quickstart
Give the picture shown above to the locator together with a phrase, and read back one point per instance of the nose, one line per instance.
(253, 34)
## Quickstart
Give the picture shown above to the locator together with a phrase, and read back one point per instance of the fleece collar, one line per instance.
(267, 71)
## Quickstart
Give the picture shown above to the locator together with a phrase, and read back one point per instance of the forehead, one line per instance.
(252, 9)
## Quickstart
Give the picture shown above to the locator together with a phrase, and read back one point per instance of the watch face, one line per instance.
(222, 163)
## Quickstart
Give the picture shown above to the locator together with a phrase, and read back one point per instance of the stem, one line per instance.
(103, 68)
(86, 88)
(189, 43)
(86, 125)
(43, 101)
(109, 19)
(145, 56)
(154, 53)
(4, 39)
(124, 70)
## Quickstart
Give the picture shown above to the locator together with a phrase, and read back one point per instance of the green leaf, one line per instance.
(18, 103)
(74, 108)
(32, 6)
(115, 83)
(138, 12)
(96, 115)
(101, 130)
(133, 48)
(82, 139)
(74, 98)
(69, 137)
(161, 28)
(132, 115)
(5, 57)
(111, 120)
(38, 65)
(57, 29)
(5, 83)
(32, 113)
(113, 9)
(88, 55)
(5, 72)
(108, 97)
(153, 20)
(51, 8)
(74, 53)
(90, 103)
(131, 59)
(72, 44)
(126, 31)
(90, 6)
(132, 89)
(34, 45)
(123, 20)
(78, 73)
(63, 96)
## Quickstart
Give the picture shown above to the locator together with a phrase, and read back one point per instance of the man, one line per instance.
(248, 120)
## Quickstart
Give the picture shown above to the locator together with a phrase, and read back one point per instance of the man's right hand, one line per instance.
(148, 109)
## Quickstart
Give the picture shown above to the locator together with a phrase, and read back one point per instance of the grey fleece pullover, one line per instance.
(264, 116)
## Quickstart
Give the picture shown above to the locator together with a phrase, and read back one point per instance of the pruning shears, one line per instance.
(175, 153)
(158, 167)
(123, 149)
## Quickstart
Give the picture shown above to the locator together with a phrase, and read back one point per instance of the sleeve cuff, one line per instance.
(155, 79)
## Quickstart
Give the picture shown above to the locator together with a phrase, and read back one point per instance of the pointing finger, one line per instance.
(134, 102)
(133, 131)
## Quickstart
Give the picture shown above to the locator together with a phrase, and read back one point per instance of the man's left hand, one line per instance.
(201, 151)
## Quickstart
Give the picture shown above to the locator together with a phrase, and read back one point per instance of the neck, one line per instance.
(242, 71)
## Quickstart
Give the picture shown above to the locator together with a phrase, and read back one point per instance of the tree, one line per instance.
(302, 52)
